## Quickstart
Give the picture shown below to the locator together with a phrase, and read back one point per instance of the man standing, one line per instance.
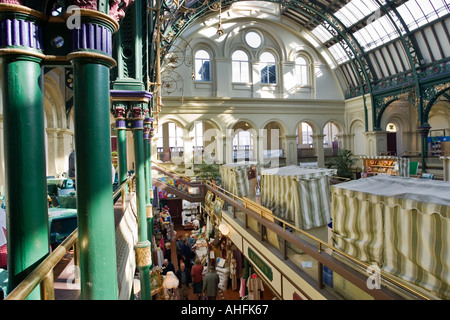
(185, 280)
(211, 283)
(167, 266)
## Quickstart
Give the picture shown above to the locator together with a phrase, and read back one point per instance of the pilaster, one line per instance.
(318, 146)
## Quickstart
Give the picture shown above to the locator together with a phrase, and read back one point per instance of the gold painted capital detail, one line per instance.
(143, 254)
(149, 211)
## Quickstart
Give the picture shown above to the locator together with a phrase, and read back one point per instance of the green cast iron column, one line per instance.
(94, 190)
(119, 115)
(143, 245)
(91, 60)
(148, 176)
(21, 54)
(25, 169)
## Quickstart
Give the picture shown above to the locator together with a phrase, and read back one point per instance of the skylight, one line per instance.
(381, 28)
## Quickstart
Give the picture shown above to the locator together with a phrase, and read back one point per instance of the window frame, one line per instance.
(268, 65)
(241, 67)
(197, 68)
(298, 72)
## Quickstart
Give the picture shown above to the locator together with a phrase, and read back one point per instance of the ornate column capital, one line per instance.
(21, 30)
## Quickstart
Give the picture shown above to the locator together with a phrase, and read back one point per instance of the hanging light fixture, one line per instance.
(170, 282)
(224, 230)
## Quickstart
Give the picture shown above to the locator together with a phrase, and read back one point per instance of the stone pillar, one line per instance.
(91, 61)
(291, 150)
(24, 136)
(318, 146)
(376, 143)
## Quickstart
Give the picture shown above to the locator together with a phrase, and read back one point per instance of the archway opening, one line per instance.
(244, 142)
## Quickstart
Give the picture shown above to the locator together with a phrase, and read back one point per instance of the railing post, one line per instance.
(47, 287)
(320, 275)
(284, 244)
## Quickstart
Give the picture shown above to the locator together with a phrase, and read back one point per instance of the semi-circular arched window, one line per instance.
(301, 71)
(240, 66)
(202, 66)
(268, 68)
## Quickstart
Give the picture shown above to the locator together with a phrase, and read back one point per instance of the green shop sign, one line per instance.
(265, 269)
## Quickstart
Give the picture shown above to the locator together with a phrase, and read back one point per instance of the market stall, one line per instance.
(236, 178)
(298, 194)
(400, 224)
(386, 165)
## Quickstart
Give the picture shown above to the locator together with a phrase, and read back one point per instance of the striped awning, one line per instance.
(298, 195)
(400, 224)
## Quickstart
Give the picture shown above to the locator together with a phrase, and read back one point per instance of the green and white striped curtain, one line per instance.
(407, 238)
(299, 196)
(235, 179)
(417, 244)
(314, 195)
(357, 225)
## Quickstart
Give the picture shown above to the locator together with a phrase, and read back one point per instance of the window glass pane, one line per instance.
(202, 66)
(240, 65)
(268, 68)
(339, 53)
(301, 71)
(253, 39)
(322, 34)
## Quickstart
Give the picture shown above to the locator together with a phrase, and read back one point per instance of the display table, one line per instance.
(298, 195)
(400, 224)
(235, 179)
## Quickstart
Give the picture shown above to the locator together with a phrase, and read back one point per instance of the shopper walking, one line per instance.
(178, 245)
(211, 284)
(184, 276)
(186, 253)
(197, 278)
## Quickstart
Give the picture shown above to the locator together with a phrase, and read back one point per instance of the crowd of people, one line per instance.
(191, 273)
(192, 276)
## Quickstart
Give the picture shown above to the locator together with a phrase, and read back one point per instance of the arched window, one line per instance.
(304, 133)
(268, 68)
(240, 66)
(330, 131)
(202, 66)
(175, 135)
(198, 134)
(301, 71)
